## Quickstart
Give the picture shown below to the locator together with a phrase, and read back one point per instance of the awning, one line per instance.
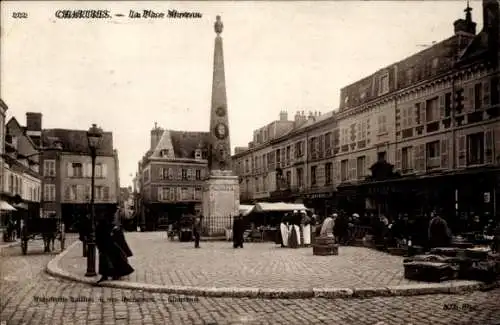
(245, 209)
(22, 206)
(280, 206)
(4, 206)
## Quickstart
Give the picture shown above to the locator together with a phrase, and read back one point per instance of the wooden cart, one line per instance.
(46, 229)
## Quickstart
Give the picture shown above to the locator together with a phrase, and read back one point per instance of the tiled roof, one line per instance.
(476, 49)
(76, 141)
(185, 143)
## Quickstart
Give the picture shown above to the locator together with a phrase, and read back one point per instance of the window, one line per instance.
(475, 149)
(197, 154)
(184, 194)
(184, 174)
(407, 117)
(432, 110)
(384, 84)
(409, 75)
(257, 188)
(344, 170)
(105, 193)
(197, 193)
(49, 168)
(417, 113)
(447, 104)
(478, 96)
(435, 64)
(49, 192)
(98, 170)
(278, 156)
(313, 175)
(361, 166)
(288, 177)
(198, 174)
(247, 166)
(381, 156)
(300, 177)
(328, 141)
(77, 170)
(433, 155)
(328, 173)
(382, 124)
(299, 149)
(288, 151)
(164, 153)
(406, 159)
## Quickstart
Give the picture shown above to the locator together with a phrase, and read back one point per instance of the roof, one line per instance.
(3, 105)
(185, 143)
(476, 49)
(425, 64)
(76, 141)
(25, 145)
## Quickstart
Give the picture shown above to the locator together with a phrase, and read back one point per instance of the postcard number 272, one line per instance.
(21, 15)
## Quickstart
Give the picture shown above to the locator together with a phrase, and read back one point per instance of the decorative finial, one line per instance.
(156, 125)
(468, 15)
(218, 26)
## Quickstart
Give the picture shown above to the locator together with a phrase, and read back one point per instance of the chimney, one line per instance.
(491, 21)
(297, 116)
(156, 134)
(283, 116)
(311, 115)
(34, 127)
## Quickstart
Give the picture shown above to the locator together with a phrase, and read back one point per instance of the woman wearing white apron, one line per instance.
(306, 229)
(284, 232)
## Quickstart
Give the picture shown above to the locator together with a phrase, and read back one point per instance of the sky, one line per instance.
(126, 74)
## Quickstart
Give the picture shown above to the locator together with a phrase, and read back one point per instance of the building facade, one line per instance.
(3, 112)
(429, 121)
(67, 175)
(22, 181)
(171, 175)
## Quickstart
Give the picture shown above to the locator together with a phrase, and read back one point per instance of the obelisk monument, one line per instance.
(221, 191)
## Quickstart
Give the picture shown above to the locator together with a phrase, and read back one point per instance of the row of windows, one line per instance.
(179, 194)
(182, 173)
(78, 170)
(77, 193)
(18, 185)
(473, 150)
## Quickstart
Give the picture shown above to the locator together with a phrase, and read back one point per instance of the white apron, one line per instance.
(297, 231)
(284, 234)
(306, 230)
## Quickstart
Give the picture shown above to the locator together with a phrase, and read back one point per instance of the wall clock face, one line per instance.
(220, 111)
(221, 131)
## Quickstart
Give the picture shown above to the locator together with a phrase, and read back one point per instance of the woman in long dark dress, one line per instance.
(238, 231)
(112, 259)
(119, 238)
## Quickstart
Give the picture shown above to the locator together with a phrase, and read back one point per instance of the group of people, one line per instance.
(295, 229)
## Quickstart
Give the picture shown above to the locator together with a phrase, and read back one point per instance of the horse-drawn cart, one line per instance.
(47, 229)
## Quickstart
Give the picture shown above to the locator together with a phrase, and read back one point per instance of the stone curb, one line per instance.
(7, 245)
(457, 287)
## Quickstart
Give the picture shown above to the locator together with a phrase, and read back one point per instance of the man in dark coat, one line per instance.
(439, 233)
(112, 259)
(197, 231)
(238, 231)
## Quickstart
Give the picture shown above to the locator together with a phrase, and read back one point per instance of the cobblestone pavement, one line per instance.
(263, 265)
(23, 281)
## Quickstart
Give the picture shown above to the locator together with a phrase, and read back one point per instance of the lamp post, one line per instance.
(94, 136)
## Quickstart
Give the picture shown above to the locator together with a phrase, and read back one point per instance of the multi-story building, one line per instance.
(434, 119)
(429, 121)
(171, 176)
(294, 165)
(3, 111)
(22, 185)
(67, 173)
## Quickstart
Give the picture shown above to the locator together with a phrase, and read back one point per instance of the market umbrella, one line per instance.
(4, 206)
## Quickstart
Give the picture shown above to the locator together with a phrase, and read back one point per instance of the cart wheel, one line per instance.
(24, 246)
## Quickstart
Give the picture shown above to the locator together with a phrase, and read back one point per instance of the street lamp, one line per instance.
(94, 137)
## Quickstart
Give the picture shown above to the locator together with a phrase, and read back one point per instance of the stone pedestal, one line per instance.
(221, 201)
(325, 246)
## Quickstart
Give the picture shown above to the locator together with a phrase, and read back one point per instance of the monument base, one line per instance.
(221, 202)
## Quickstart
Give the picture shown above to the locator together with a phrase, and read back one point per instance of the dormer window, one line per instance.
(164, 153)
(384, 84)
(197, 154)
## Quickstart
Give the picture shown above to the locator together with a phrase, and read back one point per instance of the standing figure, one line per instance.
(328, 226)
(119, 238)
(197, 231)
(296, 225)
(112, 259)
(238, 231)
(284, 231)
(306, 228)
(439, 233)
